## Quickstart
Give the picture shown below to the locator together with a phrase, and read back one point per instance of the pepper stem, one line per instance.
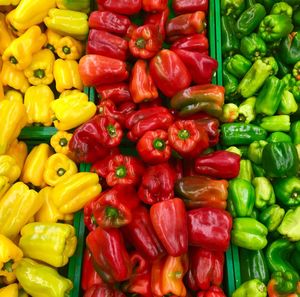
(112, 130)
(140, 43)
(159, 144)
(66, 50)
(121, 171)
(184, 134)
(111, 212)
(50, 47)
(39, 73)
(13, 60)
(63, 142)
(61, 171)
(7, 266)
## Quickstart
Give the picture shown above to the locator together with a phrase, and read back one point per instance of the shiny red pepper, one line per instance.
(219, 164)
(184, 6)
(169, 73)
(159, 19)
(109, 22)
(127, 7)
(211, 126)
(154, 5)
(194, 43)
(89, 219)
(117, 93)
(103, 290)
(153, 103)
(213, 291)
(169, 220)
(141, 234)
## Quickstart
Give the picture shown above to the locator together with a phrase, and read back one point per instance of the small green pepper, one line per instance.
(253, 47)
(282, 8)
(295, 132)
(230, 42)
(238, 65)
(230, 83)
(290, 225)
(264, 193)
(232, 7)
(288, 103)
(276, 123)
(255, 151)
(251, 288)
(272, 217)
(247, 110)
(287, 191)
(279, 137)
(246, 171)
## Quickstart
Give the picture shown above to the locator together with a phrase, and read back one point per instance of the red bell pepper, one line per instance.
(103, 290)
(209, 228)
(188, 167)
(106, 44)
(109, 22)
(185, 24)
(169, 73)
(109, 253)
(169, 220)
(117, 93)
(141, 85)
(127, 7)
(187, 138)
(115, 207)
(89, 275)
(153, 147)
(141, 234)
(213, 291)
(177, 165)
(145, 42)
(159, 19)
(157, 184)
(149, 104)
(211, 126)
(154, 5)
(100, 70)
(184, 6)
(201, 66)
(89, 219)
(219, 164)
(194, 43)
(167, 276)
(130, 31)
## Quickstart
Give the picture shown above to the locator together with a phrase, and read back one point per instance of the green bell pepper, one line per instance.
(283, 69)
(241, 133)
(279, 137)
(296, 91)
(267, 3)
(244, 150)
(230, 113)
(272, 217)
(296, 17)
(247, 110)
(230, 83)
(276, 123)
(289, 48)
(287, 191)
(249, 234)
(274, 27)
(254, 265)
(280, 159)
(246, 171)
(282, 8)
(264, 193)
(290, 225)
(238, 65)
(295, 132)
(255, 151)
(268, 99)
(254, 214)
(296, 70)
(288, 81)
(288, 103)
(250, 19)
(284, 282)
(232, 8)
(253, 47)
(251, 288)
(296, 256)
(258, 170)
(250, 3)
(241, 197)
(230, 42)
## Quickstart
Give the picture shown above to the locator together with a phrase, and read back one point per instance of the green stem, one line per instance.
(63, 142)
(61, 171)
(66, 50)
(39, 73)
(140, 43)
(121, 171)
(13, 60)
(112, 130)
(111, 212)
(159, 144)
(7, 266)
(184, 134)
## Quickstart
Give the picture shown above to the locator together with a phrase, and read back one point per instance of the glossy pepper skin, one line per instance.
(289, 53)
(219, 164)
(141, 234)
(127, 7)
(18, 150)
(290, 224)
(6, 35)
(200, 223)
(69, 48)
(159, 19)
(60, 142)
(169, 73)
(186, 6)
(272, 217)
(194, 43)
(11, 290)
(52, 40)
(282, 283)
(211, 126)
(287, 191)
(103, 290)
(252, 287)
(173, 232)
(117, 93)
(231, 8)
(238, 65)
(230, 83)
(253, 47)
(109, 254)
(264, 193)
(295, 134)
(230, 42)
(282, 123)
(9, 168)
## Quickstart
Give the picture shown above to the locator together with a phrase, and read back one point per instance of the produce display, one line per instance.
(149, 148)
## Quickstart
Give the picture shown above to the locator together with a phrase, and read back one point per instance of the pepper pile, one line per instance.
(261, 78)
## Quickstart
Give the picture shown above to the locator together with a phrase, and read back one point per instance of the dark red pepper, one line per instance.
(89, 219)
(194, 43)
(103, 290)
(211, 126)
(127, 7)
(116, 92)
(213, 291)
(159, 19)
(184, 6)
(153, 103)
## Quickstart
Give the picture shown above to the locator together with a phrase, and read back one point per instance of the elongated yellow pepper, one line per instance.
(9, 168)
(69, 48)
(13, 95)
(18, 150)
(6, 36)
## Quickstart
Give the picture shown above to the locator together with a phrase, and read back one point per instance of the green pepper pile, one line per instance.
(261, 75)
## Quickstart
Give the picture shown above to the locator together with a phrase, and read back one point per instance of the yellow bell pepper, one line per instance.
(40, 71)
(58, 168)
(9, 2)
(17, 206)
(72, 110)
(4, 185)
(18, 151)
(13, 78)
(13, 95)
(60, 142)
(68, 23)
(10, 291)
(34, 166)
(66, 75)
(9, 168)
(69, 48)
(19, 53)
(10, 254)
(6, 36)
(29, 13)
(52, 39)
(1, 92)
(73, 193)
(13, 119)
(37, 102)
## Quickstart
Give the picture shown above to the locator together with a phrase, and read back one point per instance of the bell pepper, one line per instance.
(230, 83)
(117, 93)
(279, 137)
(232, 8)
(52, 40)
(288, 104)
(60, 142)
(101, 70)
(186, 6)
(206, 98)
(289, 48)
(255, 151)
(141, 234)
(153, 147)
(72, 109)
(89, 218)
(106, 44)
(185, 24)
(296, 91)
(294, 132)
(282, 283)
(25, 202)
(274, 27)
(246, 171)
(282, 8)
(252, 287)
(200, 223)
(103, 290)
(38, 279)
(10, 290)
(202, 191)
(74, 192)
(77, 5)
(69, 48)
(230, 113)
(280, 159)
(51, 243)
(211, 126)
(141, 85)
(68, 23)
(167, 276)
(169, 73)
(169, 220)
(296, 71)
(238, 65)
(37, 101)
(193, 43)
(230, 43)
(110, 22)
(18, 151)
(264, 193)
(282, 123)
(13, 95)
(4, 185)
(289, 226)
(66, 75)
(253, 47)
(109, 254)
(287, 191)
(219, 164)
(9, 168)
(127, 7)
(249, 233)
(272, 216)
(6, 35)
(159, 18)
(213, 291)
(254, 265)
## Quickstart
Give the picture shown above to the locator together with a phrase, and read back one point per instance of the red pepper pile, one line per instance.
(142, 237)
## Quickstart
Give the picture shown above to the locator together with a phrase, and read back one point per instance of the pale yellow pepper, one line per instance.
(6, 36)
(18, 150)
(9, 168)
(13, 95)
(4, 185)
